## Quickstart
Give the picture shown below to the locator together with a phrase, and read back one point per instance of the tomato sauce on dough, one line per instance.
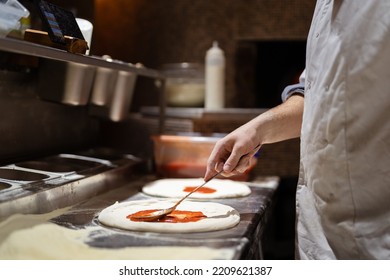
(177, 216)
(201, 190)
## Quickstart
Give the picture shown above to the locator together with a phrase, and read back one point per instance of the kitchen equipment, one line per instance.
(47, 183)
(69, 83)
(58, 22)
(184, 86)
(112, 92)
(122, 96)
(104, 84)
(11, 11)
(61, 29)
(185, 156)
(158, 214)
(21, 175)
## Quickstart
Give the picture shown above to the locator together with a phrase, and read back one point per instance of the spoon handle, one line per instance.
(194, 190)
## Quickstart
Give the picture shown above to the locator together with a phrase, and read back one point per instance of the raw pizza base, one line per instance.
(219, 216)
(174, 188)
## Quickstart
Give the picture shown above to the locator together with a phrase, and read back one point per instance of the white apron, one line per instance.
(343, 195)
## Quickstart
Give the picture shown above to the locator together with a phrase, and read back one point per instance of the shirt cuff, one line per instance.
(291, 89)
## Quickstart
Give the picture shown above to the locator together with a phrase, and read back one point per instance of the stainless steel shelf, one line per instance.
(27, 48)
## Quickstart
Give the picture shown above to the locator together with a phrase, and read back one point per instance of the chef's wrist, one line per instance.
(293, 90)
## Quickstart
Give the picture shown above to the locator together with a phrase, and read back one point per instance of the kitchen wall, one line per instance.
(163, 31)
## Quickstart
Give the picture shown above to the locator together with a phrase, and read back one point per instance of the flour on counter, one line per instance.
(31, 237)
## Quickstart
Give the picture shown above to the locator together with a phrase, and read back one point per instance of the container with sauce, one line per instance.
(182, 156)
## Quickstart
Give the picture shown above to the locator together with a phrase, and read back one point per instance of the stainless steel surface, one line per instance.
(110, 178)
(104, 84)
(122, 96)
(58, 164)
(20, 175)
(23, 47)
(27, 48)
(244, 240)
(198, 113)
(113, 99)
(67, 83)
(42, 185)
(4, 186)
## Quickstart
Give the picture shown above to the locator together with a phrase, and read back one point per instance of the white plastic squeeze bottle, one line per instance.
(215, 78)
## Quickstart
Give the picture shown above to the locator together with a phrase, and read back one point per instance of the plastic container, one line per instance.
(215, 78)
(11, 11)
(178, 156)
(184, 86)
(86, 29)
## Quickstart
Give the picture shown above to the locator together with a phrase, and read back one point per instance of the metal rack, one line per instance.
(27, 48)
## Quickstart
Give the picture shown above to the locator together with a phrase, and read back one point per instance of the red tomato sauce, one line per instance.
(204, 189)
(176, 216)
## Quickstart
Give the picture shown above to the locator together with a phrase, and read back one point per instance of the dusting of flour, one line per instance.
(32, 237)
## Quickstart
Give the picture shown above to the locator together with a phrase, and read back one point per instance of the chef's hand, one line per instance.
(232, 154)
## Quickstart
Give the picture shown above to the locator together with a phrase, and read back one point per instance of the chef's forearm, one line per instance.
(281, 122)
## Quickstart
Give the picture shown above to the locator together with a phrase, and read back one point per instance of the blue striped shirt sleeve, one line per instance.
(291, 89)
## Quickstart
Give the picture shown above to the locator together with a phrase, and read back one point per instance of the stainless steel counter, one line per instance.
(40, 186)
(243, 240)
(44, 184)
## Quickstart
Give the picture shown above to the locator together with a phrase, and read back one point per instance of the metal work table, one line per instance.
(110, 178)
(243, 240)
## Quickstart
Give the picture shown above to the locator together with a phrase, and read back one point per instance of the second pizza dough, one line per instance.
(174, 188)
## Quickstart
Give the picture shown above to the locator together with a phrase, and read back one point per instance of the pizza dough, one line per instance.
(175, 188)
(219, 216)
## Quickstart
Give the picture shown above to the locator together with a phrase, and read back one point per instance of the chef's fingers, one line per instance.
(219, 166)
(216, 161)
(243, 163)
(226, 155)
(233, 160)
(210, 172)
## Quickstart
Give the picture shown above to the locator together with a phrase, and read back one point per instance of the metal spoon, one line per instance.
(158, 214)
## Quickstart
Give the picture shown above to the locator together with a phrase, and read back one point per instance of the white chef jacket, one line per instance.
(343, 194)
